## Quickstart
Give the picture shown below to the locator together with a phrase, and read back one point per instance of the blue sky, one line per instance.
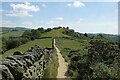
(90, 17)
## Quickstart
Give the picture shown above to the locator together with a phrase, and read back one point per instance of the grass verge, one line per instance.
(51, 71)
(66, 45)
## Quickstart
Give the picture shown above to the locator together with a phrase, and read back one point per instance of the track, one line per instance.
(63, 66)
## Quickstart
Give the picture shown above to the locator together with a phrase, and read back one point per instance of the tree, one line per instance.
(31, 34)
(27, 34)
(12, 44)
(41, 30)
(70, 32)
(101, 56)
(24, 40)
(86, 35)
(67, 28)
(100, 35)
(119, 41)
(48, 29)
(35, 34)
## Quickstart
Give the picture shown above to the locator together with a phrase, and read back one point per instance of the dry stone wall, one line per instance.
(29, 65)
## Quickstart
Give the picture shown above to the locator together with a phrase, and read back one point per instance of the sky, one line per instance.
(83, 17)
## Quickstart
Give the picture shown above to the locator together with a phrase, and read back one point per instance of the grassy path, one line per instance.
(63, 66)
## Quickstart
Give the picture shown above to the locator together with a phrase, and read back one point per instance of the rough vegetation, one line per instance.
(89, 56)
(51, 69)
(93, 57)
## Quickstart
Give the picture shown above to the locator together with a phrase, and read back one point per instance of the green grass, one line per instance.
(5, 29)
(52, 68)
(10, 34)
(46, 43)
(63, 43)
(8, 29)
(55, 33)
(73, 44)
(13, 33)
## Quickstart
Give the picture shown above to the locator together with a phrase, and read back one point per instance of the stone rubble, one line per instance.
(28, 65)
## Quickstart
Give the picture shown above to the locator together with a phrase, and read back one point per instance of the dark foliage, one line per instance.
(70, 32)
(85, 35)
(101, 61)
(42, 30)
(12, 44)
(48, 29)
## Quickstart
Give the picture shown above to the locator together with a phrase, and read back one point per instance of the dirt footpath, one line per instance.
(63, 66)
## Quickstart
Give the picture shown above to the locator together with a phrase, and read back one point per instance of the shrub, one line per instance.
(24, 40)
(48, 29)
(17, 53)
(86, 35)
(12, 44)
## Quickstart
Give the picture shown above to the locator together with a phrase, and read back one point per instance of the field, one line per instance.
(72, 44)
(5, 29)
(55, 33)
(10, 34)
(64, 44)
(14, 34)
(47, 43)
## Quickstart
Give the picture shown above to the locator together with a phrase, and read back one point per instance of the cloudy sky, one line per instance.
(90, 17)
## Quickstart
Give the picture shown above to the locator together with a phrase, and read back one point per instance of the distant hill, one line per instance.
(4, 30)
(7, 32)
(54, 33)
(111, 37)
(58, 33)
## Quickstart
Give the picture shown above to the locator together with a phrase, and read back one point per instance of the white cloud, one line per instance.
(117, 0)
(19, 14)
(22, 10)
(27, 24)
(55, 21)
(80, 20)
(76, 4)
(59, 18)
(6, 23)
(27, 3)
(52, 22)
(69, 4)
(1, 10)
(43, 5)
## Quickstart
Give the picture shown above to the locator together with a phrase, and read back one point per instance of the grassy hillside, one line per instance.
(13, 34)
(113, 38)
(86, 55)
(55, 33)
(10, 34)
(40, 42)
(110, 37)
(4, 30)
(66, 45)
